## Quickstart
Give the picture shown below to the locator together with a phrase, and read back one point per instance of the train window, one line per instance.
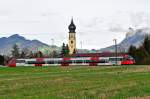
(88, 61)
(31, 62)
(130, 58)
(35, 62)
(59, 61)
(103, 61)
(112, 59)
(56, 62)
(40, 62)
(68, 61)
(20, 61)
(50, 62)
(73, 61)
(121, 59)
(79, 61)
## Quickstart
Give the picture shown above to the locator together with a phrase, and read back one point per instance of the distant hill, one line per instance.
(135, 38)
(6, 44)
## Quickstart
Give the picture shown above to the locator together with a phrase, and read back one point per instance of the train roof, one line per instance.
(99, 54)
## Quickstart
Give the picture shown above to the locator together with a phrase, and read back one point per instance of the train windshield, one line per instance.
(130, 57)
(114, 59)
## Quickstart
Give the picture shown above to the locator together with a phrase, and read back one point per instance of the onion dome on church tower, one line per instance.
(72, 27)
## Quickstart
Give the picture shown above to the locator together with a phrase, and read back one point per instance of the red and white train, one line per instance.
(93, 59)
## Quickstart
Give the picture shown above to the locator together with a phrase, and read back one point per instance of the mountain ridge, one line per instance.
(6, 44)
(136, 38)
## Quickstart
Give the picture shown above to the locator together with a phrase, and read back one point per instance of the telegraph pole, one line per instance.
(81, 44)
(52, 47)
(52, 42)
(115, 40)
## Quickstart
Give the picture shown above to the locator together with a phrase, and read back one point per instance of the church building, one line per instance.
(72, 38)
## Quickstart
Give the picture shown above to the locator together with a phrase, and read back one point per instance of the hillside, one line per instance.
(136, 38)
(6, 44)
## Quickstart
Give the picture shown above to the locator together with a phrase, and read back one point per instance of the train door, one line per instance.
(39, 61)
(94, 61)
(65, 62)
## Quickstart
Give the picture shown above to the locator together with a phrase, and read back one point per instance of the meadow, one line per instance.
(101, 82)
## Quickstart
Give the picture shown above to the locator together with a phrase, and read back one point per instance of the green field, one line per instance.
(110, 82)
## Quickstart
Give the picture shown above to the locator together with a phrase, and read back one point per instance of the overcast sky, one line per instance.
(98, 22)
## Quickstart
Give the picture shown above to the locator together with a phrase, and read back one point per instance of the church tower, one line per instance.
(72, 38)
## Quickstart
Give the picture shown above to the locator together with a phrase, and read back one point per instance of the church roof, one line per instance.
(72, 27)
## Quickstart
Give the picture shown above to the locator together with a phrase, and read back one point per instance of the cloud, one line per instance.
(97, 21)
(47, 14)
(117, 28)
(140, 19)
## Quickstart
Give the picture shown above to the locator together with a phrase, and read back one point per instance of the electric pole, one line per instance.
(115, 40)
(81, 44)
(52, 47)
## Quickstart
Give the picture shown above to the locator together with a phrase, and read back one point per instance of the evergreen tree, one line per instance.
(63, 50)
(146, 44)
(67, 50)
(15, 51)
(1, 60)
(132, 51)
(141, 54)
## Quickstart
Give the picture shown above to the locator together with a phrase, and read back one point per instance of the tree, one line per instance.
(25, 53)
(63, 50)
(142, 53)
(132, 51)
(15, 51)
(54, 53)
(39, 54)
(22, 55)
(31, 55)
(146, 44)
(1, 60)
(67, 50)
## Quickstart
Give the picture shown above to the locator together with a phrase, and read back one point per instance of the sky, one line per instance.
(98, 22)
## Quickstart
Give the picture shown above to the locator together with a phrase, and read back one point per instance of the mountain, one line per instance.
(133, 37)
(6, 44)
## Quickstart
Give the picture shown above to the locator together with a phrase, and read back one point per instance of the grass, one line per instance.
(120, 82)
